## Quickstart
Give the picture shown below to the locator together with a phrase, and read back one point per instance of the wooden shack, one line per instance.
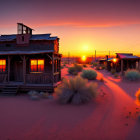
(123, 62)
(29, 61)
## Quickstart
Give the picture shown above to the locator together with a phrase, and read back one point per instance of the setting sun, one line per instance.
(83, 58)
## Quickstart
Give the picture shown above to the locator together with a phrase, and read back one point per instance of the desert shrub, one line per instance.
(76, 91)
(32, 92)
(116, 75)
(89, 74)
(132, 75)
(102, 79)
(113, 71)
(95, 64)
(78, 68)
(103, 67)
(72, 70)
(98, 67)
(34, 95)
(75, 69)
(44, 94)
(84, 65)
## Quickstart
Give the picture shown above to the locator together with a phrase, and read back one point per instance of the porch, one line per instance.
(19, 72)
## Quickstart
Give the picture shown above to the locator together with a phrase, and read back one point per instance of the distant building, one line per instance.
(29, 62)
(123, 62)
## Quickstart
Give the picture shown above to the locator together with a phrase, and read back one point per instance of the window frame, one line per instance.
(3, 69)
(37, 66)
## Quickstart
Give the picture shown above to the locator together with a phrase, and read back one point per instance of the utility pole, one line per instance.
(68, 57)
(92, 58)
(109, 54)
(95, 55)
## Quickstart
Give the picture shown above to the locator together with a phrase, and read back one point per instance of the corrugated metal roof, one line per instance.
(126, 56)
(33, 37)
(7, 37)
(24, 52)
(40, 37)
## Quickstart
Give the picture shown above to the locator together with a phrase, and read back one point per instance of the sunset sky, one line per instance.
(83, 26)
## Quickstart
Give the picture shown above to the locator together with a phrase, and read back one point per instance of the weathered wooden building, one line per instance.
(29, 61)
(123, 62)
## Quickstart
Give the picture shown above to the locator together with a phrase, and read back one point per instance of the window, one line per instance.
(37, 65)
(2, 65)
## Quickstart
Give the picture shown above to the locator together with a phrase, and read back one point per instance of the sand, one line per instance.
(112, 116)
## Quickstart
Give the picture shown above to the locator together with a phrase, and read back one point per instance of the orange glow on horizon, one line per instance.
(84, 58)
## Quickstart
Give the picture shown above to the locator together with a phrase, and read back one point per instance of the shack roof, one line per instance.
(33, 37)
(25, 52)
(127, 56)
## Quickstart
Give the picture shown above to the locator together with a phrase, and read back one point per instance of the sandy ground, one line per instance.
(112, 116)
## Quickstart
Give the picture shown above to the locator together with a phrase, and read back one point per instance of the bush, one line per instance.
(75, 69)
(116, 75)
(98, 68)
(103, 67)
(102, 79)
(113, 71)
(95, 64)
(32, 92)
(84, 65)
(34, 95)
(89, 74)
(76, 91)
(132, 75)
(44, 94)
(78, 68)
(72, 70)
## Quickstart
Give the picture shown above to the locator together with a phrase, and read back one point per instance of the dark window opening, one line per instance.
(8, 45)
(22, 38)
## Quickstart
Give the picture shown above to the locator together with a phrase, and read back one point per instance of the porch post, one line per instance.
(60, 68)
(139, 65)
(8, 68)
(121, 66)
(52, 68)
(24, 69)
(127, 65)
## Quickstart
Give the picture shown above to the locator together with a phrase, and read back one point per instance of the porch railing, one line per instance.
(56, 77)
(38, 78)
(3, 78)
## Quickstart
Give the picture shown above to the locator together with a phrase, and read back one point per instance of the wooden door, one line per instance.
(18, 71)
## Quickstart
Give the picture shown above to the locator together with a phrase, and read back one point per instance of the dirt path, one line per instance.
(121, 112)
(111, 117)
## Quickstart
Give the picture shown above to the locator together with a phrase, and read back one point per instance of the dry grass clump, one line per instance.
(116, 75)
(102, 79)
(78, 67)
(34, 95)
(113, 71)
(72, 71)
(89, 74)
(132, 75)
(44, 94)
(76, 91)
(84, 65)
(75, 69)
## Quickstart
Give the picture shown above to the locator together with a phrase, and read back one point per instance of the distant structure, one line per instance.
(123, 62)
(29, 62)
